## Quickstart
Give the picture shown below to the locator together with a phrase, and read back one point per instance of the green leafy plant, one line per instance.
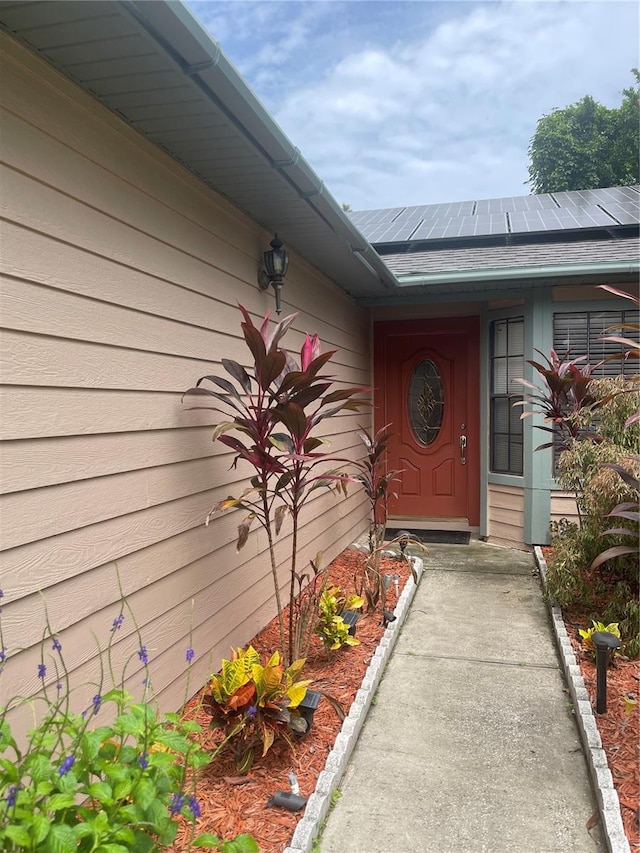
(254, 703)
(596, 425)
(332, 628)
(595, 561)
(276, 407)
(113, 778)
(628, 511)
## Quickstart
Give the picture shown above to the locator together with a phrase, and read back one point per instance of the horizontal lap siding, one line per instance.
(506, 515)
(563, 505)
(120, 278)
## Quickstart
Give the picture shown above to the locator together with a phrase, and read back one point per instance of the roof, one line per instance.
(501, 257)
(151, 62)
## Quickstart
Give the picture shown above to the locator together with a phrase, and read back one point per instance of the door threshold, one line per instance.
(453, 524)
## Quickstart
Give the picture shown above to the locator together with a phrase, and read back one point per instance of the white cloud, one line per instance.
(398, 103)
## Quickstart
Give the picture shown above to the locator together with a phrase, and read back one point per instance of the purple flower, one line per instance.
(146, 682)
(96, 702)
(1, 594)
(177, 803)
(11, 796)
(58, 686)
(190, 655)
(42, 670)
(143, 761)
(251, 712)
(142, 654)
(117, 622)
(194, 805)
(3, 654)
(66, 765)
(57, 647)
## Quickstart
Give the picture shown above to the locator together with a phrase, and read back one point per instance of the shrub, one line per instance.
(111, 779)
(332, 628)
(594, 565)
(255, 704)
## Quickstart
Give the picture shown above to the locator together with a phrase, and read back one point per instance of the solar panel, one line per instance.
(565, 219)
(626, 213)
(462, 226)
(564, 211)
(389, 232)
(370, 217)
(516, 203)
(604, 197)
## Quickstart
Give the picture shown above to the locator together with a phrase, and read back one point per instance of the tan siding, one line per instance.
(563, 505)
(121, 274)
(418, 312)
(505, 510)
(70, 268)
(581, 293)
(30, 464)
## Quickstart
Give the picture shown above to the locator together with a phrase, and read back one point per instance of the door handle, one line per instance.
(463, 449)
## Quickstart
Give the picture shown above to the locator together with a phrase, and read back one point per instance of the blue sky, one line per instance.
(420, 101)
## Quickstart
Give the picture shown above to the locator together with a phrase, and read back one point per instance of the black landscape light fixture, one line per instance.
(605, 643)
(309, 706)
(276, 263)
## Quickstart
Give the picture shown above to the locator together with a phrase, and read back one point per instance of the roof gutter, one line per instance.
(201, 58)
(515, 273)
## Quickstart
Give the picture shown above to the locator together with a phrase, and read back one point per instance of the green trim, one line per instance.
(515, 480)
(528, 272)
(444, 293)
(571, 306)
(537, 514)
(537, 463)
(484, 419)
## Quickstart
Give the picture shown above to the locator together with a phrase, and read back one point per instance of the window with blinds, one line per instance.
(579, 333)
(507, 364)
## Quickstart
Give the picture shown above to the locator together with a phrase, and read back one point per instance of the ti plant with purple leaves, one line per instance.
(276, 407)
(377, 481)
(564, 395)
(115, 777)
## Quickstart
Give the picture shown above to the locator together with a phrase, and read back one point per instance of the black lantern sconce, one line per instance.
(276, 263)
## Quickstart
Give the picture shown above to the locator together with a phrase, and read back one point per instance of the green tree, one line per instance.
(587, 145)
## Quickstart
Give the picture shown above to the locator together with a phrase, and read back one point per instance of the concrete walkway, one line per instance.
(470, 745)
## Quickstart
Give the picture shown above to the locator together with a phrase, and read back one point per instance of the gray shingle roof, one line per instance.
(500, 257)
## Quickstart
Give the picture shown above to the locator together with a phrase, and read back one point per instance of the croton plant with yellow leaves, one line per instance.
(254, 703)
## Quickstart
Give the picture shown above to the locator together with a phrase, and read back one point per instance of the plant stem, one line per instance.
(274, 572)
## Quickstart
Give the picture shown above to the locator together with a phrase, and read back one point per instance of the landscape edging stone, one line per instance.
(319, 802)
(602, 780)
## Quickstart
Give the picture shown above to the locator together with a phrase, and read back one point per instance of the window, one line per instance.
(426, 402)
(578, 333)
(507, 364)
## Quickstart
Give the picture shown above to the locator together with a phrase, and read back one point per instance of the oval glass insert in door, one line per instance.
(425, 403)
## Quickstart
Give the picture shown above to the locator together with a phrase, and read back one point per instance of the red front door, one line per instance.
(426, 378)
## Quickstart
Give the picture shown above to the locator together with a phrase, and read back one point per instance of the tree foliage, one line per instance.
(587, 145)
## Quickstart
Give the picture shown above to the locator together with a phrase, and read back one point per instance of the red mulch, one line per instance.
(230, 804)
(620, 732)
